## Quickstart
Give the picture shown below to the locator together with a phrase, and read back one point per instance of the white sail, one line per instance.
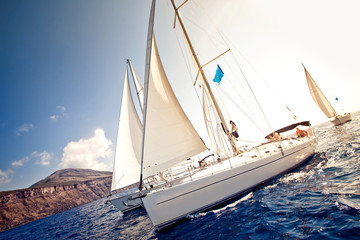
(126, 169)
(319, 97)
(169, 137)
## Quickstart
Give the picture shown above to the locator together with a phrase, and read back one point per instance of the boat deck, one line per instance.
(192, 169)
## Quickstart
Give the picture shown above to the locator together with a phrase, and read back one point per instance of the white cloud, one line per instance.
(5, 177)
(24, 128)
(20, 162)
(62, 108)
(55, 117)
(86, 152)
(42, 158)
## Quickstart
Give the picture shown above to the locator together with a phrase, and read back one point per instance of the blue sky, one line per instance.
(62, 67)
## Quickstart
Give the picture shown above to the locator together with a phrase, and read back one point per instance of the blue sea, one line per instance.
(320, 199)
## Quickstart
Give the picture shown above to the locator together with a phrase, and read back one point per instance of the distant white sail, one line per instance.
(126, 168)
(170, 137)
(319, 97)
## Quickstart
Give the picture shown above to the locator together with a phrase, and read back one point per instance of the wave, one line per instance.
(346, 203)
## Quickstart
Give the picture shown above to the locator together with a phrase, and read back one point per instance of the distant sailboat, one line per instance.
(174, 181)
(322, 102)
(126, 167)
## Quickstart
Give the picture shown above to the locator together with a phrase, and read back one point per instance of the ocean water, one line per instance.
(320, 199)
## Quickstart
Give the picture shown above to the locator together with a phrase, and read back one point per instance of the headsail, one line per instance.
(126, 168)
(319, 97)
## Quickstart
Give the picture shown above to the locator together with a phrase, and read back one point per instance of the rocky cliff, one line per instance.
(63, 190)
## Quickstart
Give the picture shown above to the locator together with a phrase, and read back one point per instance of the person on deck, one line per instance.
(301, 133)
(234, 130)
(274, 137)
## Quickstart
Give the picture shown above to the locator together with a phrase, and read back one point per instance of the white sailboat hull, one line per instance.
(166, 206)
(341, 119)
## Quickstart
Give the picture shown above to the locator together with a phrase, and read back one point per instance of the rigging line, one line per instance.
(186, 59)
(213, 43)
(262, 111)
(233, 101)
(222, 103)
(242, 111)
(201, 68)
(267, 121)
(236, 92)
(204, 79)
(242, 74)
(261, 77)
(170, 9)
(210, 19)
(205, 32)
(235, 78)
(241, 86)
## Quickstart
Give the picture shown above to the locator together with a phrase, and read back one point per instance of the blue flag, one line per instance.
(218, 75)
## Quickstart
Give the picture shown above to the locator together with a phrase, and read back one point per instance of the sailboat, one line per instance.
(177, 173)
(322, 102)
(126, 167)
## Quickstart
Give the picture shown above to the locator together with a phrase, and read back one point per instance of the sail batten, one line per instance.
(318, 96)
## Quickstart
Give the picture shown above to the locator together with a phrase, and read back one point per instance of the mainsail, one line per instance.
(170, 137)
(128, 146)
(319, 97)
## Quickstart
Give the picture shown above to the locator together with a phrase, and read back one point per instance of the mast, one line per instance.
(204, 79)
(146, 84)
